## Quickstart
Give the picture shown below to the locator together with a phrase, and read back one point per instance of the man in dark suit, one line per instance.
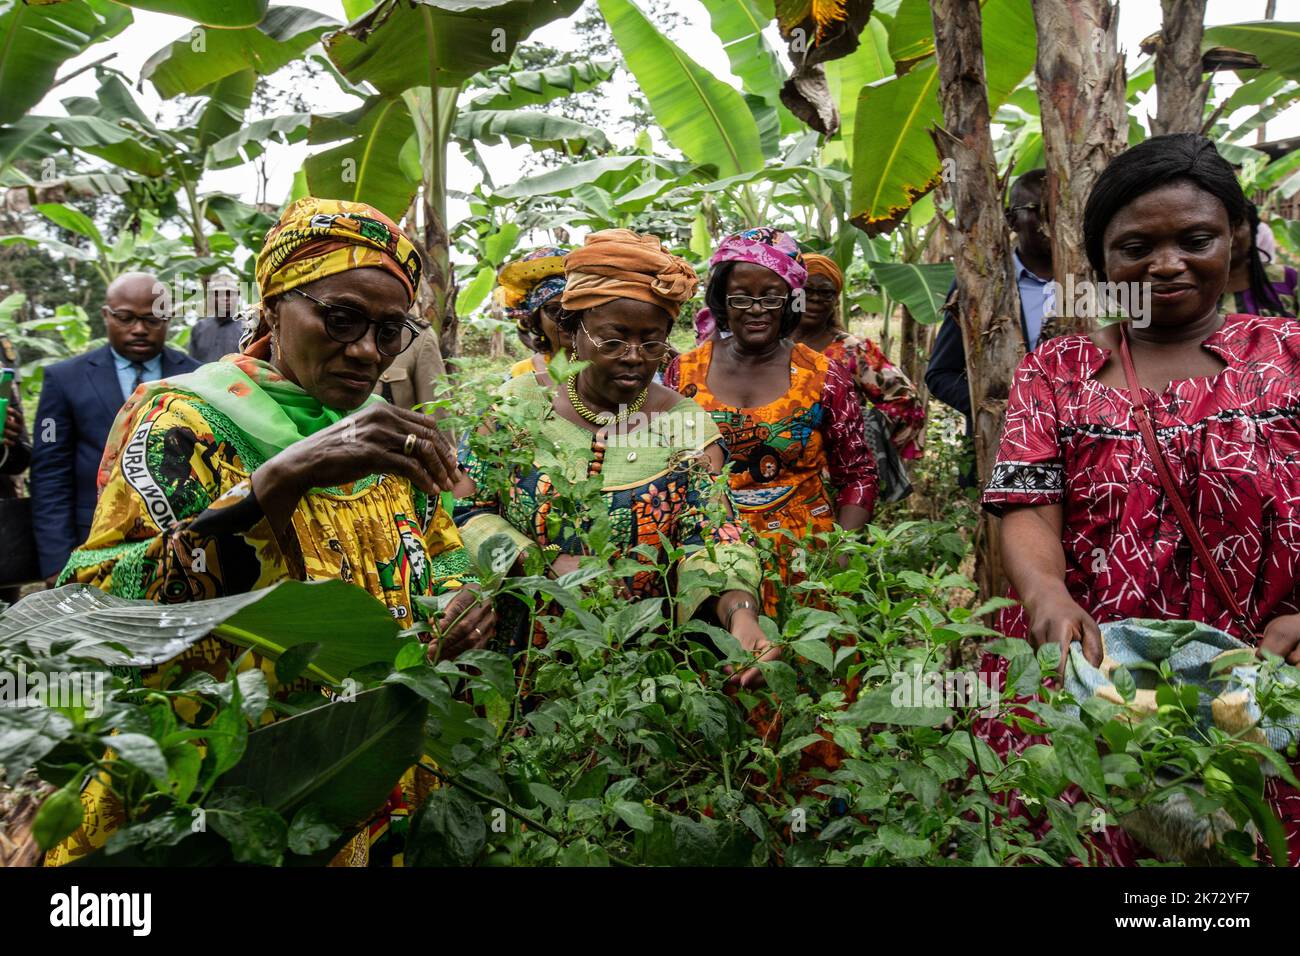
(80, 397)
(945, 376)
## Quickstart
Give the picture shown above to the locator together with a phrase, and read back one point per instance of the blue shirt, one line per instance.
(126, 372)
(1037, 298)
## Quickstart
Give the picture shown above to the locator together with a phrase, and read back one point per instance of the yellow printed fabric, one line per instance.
(184, 461)
(315, 238)
(154, 536)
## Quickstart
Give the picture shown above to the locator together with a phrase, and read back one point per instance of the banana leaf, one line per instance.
(1275, 43)
(185, 66)
(701, 115)
(364, 169)
(213, 13)
(351, 627)
(920, 287)
(341, 760)
(401, 44)
(511, 91)
(538, 130)
(894, 159)
(35, 40)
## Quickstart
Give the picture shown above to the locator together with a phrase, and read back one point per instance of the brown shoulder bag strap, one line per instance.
(1148, 432)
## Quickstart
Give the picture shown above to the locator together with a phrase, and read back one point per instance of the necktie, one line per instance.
(139, 376)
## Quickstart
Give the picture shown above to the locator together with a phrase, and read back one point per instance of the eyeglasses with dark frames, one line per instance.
(1028, 207)
(128, 319)
(769, 303)
(347, 325)
(617, 348)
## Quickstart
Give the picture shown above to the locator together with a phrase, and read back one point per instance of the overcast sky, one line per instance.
(151, 31)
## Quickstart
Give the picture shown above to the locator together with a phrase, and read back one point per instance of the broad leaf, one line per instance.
(364, 168)
(342, 759)
(35, 40)
(920, 287)
(402, 44)
(248, 143)
(702, 116)
(188, 65)
(846, 77)
(352, 627)
(213, 13)
(894, 159)
(73, 220)
(1275, 43)
(606, 173)
(510, 91)
(538, 130)
(228, 101)
(739, 25)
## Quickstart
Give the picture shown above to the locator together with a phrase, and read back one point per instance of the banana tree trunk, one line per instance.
(987, 302)
(1085, 125)
(1180, 87)
(434, 111)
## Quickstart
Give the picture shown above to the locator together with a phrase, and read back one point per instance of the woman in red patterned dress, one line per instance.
(1088, 533)
(786, 412)
(879, 381)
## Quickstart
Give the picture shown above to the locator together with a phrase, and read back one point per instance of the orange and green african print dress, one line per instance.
(779, 451)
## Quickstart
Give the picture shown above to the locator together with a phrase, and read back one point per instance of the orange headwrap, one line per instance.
(819, 265)
(622, 264)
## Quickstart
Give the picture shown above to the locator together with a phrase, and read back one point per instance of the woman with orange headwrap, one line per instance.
(656, 453)
(880, 383)
(280, 464)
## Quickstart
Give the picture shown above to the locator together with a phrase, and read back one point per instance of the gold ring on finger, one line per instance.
(409, 446)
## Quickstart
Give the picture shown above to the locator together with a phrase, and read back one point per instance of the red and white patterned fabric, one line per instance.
(1232, 443)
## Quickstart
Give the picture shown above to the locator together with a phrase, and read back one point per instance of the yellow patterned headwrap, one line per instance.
(315, 238)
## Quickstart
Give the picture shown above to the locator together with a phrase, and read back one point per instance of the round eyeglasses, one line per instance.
(617, 348)
(347, 325)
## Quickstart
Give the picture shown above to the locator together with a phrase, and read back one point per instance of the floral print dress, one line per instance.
(883, 384)
(654, 487)
(779, 451)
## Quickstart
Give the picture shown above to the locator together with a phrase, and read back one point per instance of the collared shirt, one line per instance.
(126, 372)
(1037, 298)
(215, 336)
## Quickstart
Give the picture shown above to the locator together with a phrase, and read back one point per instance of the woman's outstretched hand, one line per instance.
(1057, 619)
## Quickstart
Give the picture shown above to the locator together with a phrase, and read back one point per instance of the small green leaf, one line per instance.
(1124, 683)
(310, 832)
(411, 655)
(294, 661)
(58, 817)
(634, 815)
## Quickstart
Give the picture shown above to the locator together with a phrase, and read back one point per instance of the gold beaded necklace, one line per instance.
(603, 418)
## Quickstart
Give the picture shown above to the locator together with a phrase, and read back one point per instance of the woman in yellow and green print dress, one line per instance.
(279, 464)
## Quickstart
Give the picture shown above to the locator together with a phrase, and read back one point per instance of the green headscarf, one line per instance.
(270, 411)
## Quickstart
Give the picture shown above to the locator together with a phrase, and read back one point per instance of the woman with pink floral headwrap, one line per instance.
(786, 412)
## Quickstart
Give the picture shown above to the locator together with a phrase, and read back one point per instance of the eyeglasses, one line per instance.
(617, 348)
(770, 303)
(128, 319)
(1028, 207)
(347, 325)
(823, 295)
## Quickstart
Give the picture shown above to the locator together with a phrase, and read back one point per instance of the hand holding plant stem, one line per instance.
(466, 623)
(745, 629)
